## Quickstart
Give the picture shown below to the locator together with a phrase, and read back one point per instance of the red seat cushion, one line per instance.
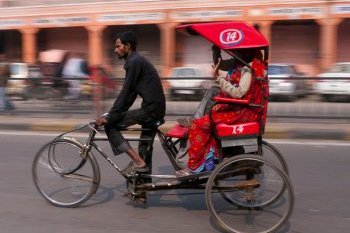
(244, 129)
(177, 131)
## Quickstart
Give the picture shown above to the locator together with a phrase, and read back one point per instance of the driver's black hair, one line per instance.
(127, 37)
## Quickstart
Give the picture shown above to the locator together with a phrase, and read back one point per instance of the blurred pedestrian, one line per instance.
(74, 71)
(99, 75)
(5, 103)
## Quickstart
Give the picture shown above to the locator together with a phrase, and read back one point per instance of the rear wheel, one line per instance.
(55, 177)
(248, 193)
(271, 153)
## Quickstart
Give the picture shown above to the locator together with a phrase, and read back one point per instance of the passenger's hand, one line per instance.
(100, 121)
(216, 53)
(216, 69)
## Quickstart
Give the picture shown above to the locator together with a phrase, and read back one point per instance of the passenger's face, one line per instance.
(120, 49)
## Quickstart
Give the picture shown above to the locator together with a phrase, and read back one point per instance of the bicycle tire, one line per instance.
(277, 154)
(256, 214)
(271, 153)
(49, 173)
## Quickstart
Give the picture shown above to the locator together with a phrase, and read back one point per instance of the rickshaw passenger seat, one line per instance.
(246, 130)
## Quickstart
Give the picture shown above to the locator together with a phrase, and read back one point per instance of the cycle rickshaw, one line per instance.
(250, 192)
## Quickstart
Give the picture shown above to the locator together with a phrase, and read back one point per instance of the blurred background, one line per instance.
(63, 73)
(62, 61)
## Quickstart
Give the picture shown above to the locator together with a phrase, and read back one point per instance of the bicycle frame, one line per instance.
(195, 181)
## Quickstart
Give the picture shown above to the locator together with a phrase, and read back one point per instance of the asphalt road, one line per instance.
(319, 171)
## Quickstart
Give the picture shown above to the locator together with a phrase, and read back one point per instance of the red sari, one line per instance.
(200, 134)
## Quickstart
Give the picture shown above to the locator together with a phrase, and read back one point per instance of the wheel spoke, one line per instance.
(79, 177)
(50, 168)
(257, 198)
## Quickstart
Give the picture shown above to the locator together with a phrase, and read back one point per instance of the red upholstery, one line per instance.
(231, 100)
(177, 131)
(252, 128)
(244, 129)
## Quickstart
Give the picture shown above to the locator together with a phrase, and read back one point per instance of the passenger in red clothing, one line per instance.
(240, 84)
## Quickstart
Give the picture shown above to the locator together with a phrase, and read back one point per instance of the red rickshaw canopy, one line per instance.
(228, 35)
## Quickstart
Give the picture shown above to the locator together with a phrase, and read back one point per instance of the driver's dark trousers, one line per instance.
(126, 119)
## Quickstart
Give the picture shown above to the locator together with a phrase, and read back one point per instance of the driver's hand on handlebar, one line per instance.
(100, 121)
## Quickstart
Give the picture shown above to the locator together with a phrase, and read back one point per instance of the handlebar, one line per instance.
(92, 123)
(93, 126)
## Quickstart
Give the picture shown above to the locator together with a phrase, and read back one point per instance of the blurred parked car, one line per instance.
(34, 72)
(335, 82)
(287, 82)
(17, 83)
(187, 82)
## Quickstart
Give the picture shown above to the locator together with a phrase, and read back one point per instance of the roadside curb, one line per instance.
(273, 131)
(52, 127)
(319, 134)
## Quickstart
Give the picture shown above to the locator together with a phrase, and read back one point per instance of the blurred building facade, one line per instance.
(313, 34)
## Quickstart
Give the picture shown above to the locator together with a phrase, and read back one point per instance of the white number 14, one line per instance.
(238, 129)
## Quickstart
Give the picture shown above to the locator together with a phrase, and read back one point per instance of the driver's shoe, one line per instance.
(141, 198)
(132, 169)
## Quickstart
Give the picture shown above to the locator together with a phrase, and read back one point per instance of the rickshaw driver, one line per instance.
(141, 79)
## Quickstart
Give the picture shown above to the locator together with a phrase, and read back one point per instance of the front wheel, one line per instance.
(248, 193)
(57, 178)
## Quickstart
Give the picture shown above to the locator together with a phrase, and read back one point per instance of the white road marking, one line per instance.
(318, 143)
(33, 133)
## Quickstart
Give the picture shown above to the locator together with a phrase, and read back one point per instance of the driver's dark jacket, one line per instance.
(141, 79)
